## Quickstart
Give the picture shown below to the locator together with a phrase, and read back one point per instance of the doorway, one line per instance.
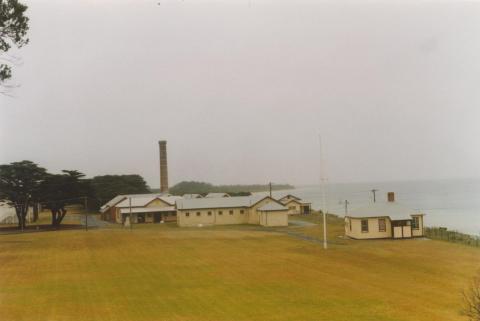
(402, 229)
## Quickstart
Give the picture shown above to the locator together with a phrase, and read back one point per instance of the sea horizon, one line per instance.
(453, 203)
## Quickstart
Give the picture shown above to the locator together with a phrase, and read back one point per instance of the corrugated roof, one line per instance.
(136, 201)
(215, 195)
(148, 209)
(221, 202)
(144, 200)
(290, 196)
(121, 198)
(111, 203)
(170, 199)
(393, 210)
(272, 206)
(192, 196)
(296, 201)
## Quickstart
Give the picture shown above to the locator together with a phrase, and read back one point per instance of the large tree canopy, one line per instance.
(107, 187)
(13, 32)
(20, 186)
(60, 190)
(23, 184)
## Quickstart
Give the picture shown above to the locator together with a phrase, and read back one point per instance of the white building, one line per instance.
(143, 208)
(231, 210)
(384, 220)
(8, 214)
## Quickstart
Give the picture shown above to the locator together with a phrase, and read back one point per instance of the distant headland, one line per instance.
(193, 187)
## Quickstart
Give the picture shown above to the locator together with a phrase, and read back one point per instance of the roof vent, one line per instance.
(391, 197)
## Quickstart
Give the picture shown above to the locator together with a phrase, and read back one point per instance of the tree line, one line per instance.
(25, 185)
(192, 187)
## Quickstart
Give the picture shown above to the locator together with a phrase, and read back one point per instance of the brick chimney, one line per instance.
(163, 166)
(391, 196)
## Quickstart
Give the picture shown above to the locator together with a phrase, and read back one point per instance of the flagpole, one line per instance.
(322, 186)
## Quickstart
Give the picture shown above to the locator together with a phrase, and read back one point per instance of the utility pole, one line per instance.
(270, 187)
(346, 207)
(374, 191)
(130, 205)
(86, 216)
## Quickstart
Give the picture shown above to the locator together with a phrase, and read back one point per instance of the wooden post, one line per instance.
(86, 216)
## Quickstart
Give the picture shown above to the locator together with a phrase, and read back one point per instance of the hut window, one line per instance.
(382, 227)
(209, 213)
(364, 226)
(198, 213)
(187, 214)
(220, 212)
(242, 211)
(416, 223)
(230, 212)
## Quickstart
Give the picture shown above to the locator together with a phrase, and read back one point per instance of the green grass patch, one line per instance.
(161, 272)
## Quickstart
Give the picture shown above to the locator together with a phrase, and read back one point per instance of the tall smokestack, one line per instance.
(163, 166)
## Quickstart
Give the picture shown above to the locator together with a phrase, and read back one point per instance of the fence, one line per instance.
(442, 233)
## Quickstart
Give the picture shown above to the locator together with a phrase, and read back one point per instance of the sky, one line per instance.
(241, 90)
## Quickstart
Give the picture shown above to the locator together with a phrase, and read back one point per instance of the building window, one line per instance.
(382, 226)
(187, 214)
(198, 213)
(209, 213)
(416, 223)
(364, 226)
(220, 212)
(242, 211)
(230, 212)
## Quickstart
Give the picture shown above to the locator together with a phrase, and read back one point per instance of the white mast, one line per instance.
(322, 186)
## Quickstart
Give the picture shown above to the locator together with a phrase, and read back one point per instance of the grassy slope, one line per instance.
(231, 273)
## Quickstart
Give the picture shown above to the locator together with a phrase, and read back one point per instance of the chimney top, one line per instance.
(391, 197)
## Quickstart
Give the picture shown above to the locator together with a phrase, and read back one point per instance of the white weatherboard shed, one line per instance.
(384, 220)
(223, 210)
(273, 214)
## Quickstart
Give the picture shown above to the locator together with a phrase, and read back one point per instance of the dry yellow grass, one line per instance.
(227, 273)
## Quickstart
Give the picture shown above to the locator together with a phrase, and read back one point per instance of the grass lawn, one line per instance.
(160, 272)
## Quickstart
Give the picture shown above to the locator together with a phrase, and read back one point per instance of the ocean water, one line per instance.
(454, 204)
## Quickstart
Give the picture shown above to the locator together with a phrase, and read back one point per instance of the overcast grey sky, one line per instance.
(241, 89)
